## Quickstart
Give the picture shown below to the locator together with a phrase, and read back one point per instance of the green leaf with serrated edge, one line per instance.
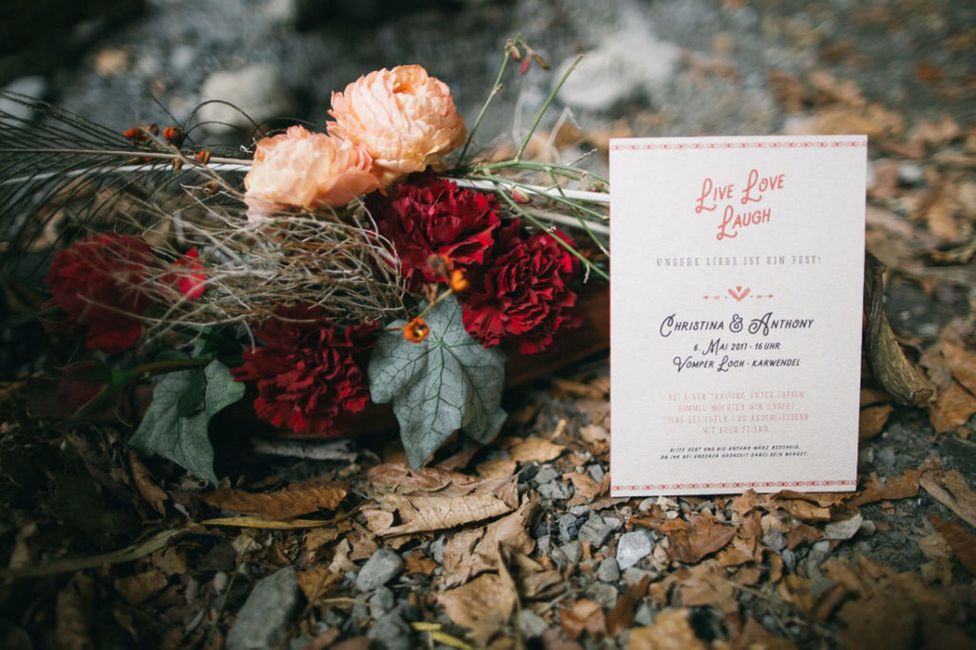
(182, 438)
(447, 382)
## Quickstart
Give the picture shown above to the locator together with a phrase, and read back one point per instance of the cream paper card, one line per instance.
(736, 292)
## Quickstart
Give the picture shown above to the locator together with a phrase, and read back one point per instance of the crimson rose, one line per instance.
(435, 217)
(310, 374)
(97, 282)
(523, 291)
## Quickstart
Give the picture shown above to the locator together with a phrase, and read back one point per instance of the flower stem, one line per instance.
(545, 107)
(495, 89)
(426, 310)
(542, 226)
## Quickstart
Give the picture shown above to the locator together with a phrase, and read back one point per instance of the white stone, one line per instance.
(632, 548)
(258, 90)
(630, 62)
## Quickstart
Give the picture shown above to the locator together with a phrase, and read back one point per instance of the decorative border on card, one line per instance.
(779, 144)
(737, 484)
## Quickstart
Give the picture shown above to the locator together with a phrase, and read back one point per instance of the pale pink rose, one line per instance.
(404, 117)
(299, 168)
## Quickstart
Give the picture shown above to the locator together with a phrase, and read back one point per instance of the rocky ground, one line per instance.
(518, 543)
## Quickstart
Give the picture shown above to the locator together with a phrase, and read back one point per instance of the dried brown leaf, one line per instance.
(152, 493)
(417, 563)
(498, 468)
(470, 552)
(400, 477)
(951, 490)
(953, 407)
(894, 488)
(171, 561)
(535, 450)
(756, 637)
(621, 617)
(584, 615)
(316, 581)
(671, 630)
(872, 421)
(73, 614)
(961, 363)
(139, 588)
(801, 534)
(483, 606)
(707, 584)
(585, 488)
(961, 540)
(427, 513)
(287, 503)
(701, 536)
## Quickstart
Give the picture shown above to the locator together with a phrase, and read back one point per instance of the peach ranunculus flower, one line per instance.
(299, 168)
(404, 117)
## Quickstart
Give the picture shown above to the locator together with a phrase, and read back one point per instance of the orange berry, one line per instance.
(416, 330)
(459, 281)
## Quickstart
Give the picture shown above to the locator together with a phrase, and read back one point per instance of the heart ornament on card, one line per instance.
(739, 293)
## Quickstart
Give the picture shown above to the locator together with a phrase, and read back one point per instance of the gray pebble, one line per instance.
(569, 525)
(789, 560)
(608, 571)
(868, 528)
(382, 567)
(530, 624)
(644, 614)
(555, 490)
(596, 473)
(603, 593)
(633, 575)
(261, 621)
(545, 474)
(910, 173)
(632, 548)
(886, 457)
(613, 522)
(774, 540)
(580, 511)
(390, 632)
(544, 543)
(436, 550)
(572, 551)
(381, 602)
(594, 531)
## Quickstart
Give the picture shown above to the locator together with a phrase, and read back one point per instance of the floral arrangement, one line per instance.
(370, 261)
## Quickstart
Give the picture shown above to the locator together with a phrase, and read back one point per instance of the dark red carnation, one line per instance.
(523, 292)
(98, 282)
(309, 372)
(187, 276)
(436, 217)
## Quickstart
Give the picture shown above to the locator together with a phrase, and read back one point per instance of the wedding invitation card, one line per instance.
(736, 299)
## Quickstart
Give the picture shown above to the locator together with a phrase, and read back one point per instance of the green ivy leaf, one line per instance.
(447, 382)
(175, 425)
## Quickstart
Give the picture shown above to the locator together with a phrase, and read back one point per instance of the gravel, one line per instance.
(608, 571)
(384, 565)
(261, 622)
(632, 548)
(390, 632)
(594, 531)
